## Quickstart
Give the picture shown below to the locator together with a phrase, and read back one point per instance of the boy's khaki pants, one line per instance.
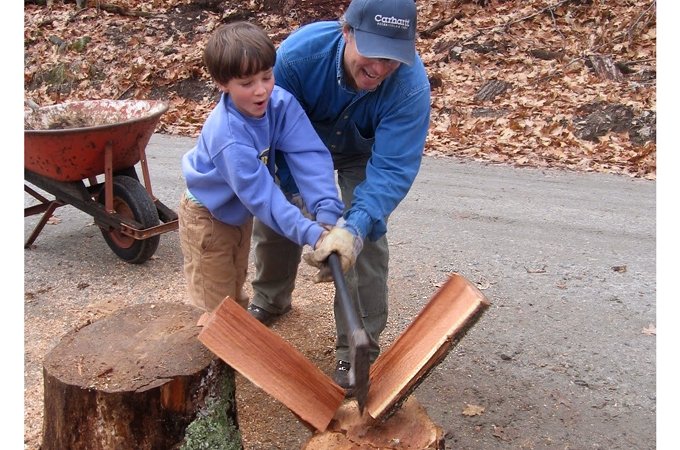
(215, 256)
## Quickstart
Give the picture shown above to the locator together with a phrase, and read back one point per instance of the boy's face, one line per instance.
(251, 94)
(365, 74)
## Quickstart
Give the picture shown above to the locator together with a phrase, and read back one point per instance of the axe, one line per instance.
(358, 338)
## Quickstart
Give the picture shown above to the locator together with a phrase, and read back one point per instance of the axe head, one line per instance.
(360, 365)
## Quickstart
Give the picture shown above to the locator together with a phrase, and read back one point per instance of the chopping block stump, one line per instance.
(408, 428)
(133, 380)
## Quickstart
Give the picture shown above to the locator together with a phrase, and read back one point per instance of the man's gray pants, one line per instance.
(277, 260)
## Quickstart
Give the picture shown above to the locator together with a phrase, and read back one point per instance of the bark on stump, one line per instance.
(137, 379)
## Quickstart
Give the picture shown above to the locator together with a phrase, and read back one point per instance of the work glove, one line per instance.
(323, 235)
(340, 240)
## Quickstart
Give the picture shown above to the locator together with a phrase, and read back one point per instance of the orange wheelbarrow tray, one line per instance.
(70, 147)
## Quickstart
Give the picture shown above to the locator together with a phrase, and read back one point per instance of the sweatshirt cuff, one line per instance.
(359, 221)
(314, 234)
(327, 217)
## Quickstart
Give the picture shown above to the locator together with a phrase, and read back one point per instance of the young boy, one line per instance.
(229, 173)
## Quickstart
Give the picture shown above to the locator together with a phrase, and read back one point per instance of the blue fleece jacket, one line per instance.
(390, 123)
(230, 169)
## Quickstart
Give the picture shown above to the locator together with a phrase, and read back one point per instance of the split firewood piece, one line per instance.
(441, 324)
(272, 364)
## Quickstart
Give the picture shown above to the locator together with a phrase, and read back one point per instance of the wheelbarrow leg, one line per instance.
(108, 178)
(54, 204)
(145, 172)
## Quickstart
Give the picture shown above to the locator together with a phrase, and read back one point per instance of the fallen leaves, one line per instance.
(545, 93)
(649, 330)
(95, 54)
(473, 410)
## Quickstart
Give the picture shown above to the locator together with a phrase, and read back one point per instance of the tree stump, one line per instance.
(137, 379)
(409, 427)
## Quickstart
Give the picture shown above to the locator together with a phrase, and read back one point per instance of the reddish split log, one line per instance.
(133, 380)
(271, 363)
(441, 324)
(393, 418)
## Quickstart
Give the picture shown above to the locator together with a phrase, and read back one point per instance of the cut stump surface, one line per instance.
(134, 379)
(410, 427)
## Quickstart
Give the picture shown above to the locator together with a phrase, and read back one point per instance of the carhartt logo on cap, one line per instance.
(383, 21)
(384, 28)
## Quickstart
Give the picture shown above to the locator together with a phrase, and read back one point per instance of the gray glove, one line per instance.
(341, 240)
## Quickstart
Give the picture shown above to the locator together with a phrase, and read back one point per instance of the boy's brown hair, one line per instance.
(237, 50)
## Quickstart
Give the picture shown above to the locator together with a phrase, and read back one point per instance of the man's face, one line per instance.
(364, 74)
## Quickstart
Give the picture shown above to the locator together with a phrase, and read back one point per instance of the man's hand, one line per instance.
(339, 240)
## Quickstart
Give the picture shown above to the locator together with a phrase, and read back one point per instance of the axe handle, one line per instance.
(351, 314)
(358, 338)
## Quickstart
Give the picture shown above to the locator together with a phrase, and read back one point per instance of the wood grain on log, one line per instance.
(491, 89)
(454, 308)
(408, 428)
(132, 380)
(271, 363)
(605, 67)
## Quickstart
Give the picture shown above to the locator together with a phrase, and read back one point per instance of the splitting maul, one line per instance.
(358, 338)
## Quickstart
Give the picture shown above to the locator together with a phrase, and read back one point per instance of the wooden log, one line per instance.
(410, 427)
(393, 418)
(604, 67)
(271, 363)
(136, 379)
(491, 89)
(441, 324)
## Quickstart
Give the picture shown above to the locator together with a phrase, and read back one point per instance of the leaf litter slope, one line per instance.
(555, 110)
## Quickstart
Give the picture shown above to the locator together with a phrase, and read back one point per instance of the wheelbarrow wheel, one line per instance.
(132, 201)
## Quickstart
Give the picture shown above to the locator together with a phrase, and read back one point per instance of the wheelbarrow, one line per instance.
(84, 154)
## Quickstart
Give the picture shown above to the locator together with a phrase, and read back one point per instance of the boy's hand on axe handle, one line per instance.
(342, 240)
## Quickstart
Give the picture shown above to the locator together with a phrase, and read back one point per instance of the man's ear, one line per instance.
(346, 32)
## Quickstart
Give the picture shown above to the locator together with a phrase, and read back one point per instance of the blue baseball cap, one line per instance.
(384, 28)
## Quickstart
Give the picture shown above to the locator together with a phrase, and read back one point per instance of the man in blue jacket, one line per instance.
(366, 92)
